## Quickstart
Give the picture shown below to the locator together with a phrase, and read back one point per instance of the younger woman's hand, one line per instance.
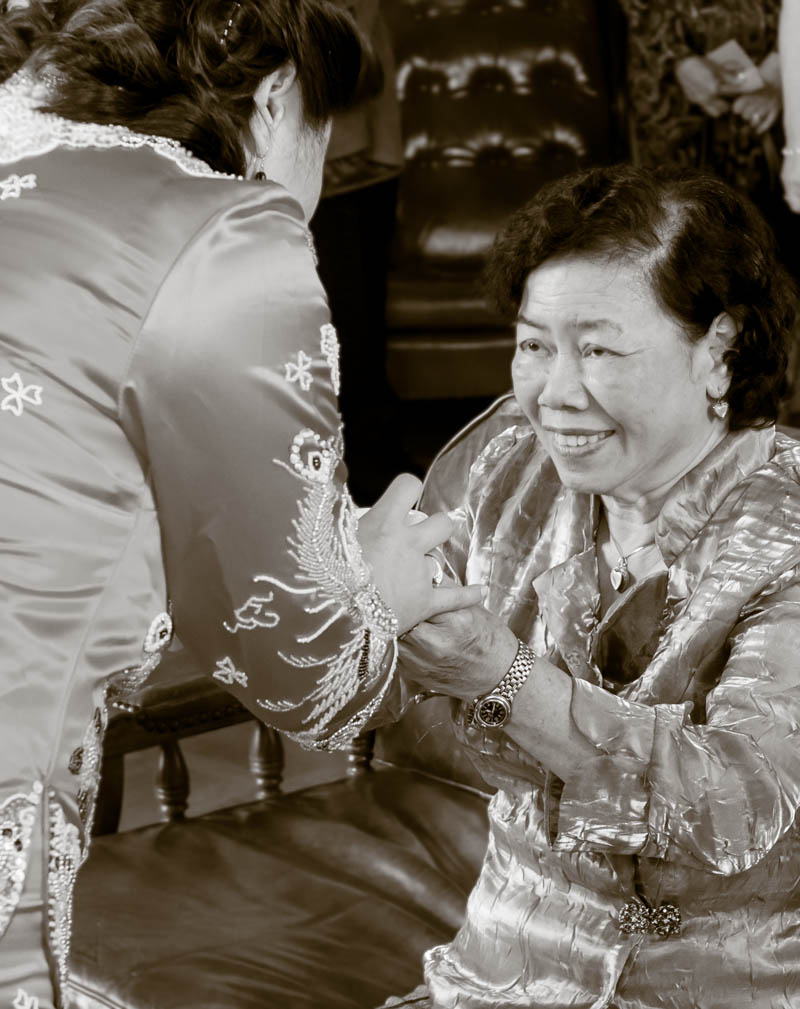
(396, 542)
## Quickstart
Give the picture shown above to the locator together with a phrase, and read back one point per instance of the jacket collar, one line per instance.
(568, 593)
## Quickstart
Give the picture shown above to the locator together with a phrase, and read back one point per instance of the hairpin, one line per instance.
(224, 40)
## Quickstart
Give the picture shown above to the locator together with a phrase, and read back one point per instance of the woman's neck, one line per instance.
(631, 514)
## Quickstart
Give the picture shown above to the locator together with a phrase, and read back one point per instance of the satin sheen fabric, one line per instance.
(689, 688)
(168, 427)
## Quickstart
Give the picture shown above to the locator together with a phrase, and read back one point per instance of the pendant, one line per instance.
(619, 575)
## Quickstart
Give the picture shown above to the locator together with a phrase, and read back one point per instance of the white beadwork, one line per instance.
(11, 187)
(159, 635)
(64, 860)
(228, 674)
(156, 641)
(17, 818)
(25, 132)
(19, 394)
(22, 1000)
(330, 567)
(329, 343)
(254, 613)
(297, 371)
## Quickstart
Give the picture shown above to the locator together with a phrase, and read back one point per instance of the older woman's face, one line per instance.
(612, 386)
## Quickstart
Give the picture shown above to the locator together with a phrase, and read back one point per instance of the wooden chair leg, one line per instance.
(360, 752)
(108, 805)
(172, 781)
(266, 761)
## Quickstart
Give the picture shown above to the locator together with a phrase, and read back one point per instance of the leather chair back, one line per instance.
(498, 97)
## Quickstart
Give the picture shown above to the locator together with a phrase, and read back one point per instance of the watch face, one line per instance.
(493, 711)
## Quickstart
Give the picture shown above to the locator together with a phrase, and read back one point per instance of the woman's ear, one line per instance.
(271, 95)
(718, 339)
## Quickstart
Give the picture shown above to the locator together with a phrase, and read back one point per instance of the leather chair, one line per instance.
(325, 898)
(498, 97)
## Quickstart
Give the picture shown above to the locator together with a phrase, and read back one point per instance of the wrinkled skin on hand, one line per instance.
(462, 653)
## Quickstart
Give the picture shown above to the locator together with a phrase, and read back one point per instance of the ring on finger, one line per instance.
(438, 573)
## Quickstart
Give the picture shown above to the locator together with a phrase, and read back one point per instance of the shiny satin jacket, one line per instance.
(168, 430)
(689, 688)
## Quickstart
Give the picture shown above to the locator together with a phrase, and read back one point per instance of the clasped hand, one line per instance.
(705, 85)
(463, 653)
(396, 544)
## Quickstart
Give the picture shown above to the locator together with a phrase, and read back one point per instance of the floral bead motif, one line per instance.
(11, 187)
(17, 818)
(227, 673)
(18, 395)
(298, 371)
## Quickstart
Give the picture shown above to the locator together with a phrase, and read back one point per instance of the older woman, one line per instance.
(632, 687)
(170, 448)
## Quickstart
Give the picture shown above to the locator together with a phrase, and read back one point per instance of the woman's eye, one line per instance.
(597, 352)
(531, 346)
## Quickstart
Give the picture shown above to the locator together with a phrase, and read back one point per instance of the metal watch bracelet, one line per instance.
(493, 710)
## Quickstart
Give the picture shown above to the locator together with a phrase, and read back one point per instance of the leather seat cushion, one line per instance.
(324, 898)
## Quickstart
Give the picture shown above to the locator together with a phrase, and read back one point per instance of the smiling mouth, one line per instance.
(568, 440)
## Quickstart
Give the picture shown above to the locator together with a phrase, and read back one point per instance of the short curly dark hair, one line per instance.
(704, 247)
(188, 69)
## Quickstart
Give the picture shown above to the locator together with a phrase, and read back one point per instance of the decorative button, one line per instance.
(636, 917)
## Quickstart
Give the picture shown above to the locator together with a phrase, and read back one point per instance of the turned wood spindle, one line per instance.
(266, 761)
(172, 781)
(360, 752)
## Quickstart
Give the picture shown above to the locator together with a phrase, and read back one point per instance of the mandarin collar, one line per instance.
(695, 498)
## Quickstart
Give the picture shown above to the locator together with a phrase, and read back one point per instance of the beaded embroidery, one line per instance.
(297, 371)
(26, 132)
(330, 564)
(64, 860)
(19, 394)
(227, 672)
(254, 613)
(12, 186)
(17, 817)
(329, 343)
(22, 1000)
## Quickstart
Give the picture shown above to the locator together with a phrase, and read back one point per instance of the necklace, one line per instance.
(620, 575)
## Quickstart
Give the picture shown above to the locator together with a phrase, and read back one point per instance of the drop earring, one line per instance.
(260, 175)
(718, 407)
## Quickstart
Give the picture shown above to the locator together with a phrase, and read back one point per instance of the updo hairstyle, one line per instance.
(704, 247)
(188, 69)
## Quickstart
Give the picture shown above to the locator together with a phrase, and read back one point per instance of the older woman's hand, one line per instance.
(461, 653)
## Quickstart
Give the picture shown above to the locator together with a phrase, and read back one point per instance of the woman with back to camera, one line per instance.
(170, 446)
(632, 688)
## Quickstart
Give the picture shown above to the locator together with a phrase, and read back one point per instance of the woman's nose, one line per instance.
(563, 387)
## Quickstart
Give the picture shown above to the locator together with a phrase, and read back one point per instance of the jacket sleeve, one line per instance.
(230, 399)
(716, 795)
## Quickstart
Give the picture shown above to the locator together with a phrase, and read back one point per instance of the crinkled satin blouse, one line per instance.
(689, 689)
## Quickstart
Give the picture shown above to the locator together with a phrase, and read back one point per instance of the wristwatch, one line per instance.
(493, 710)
